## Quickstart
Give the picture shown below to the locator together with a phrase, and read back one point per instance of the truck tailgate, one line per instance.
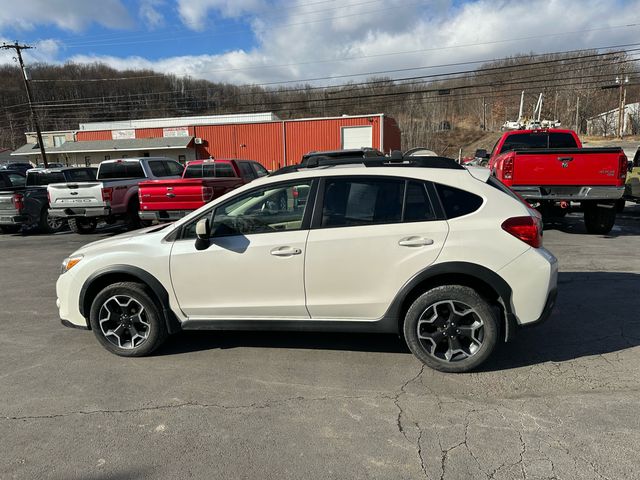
(574, 166)
(7, 210)
(69, 195)
(174, 194)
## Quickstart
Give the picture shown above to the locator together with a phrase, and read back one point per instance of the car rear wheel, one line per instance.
(82, 225)
(126, 320)
(451, 328)
(49, 224)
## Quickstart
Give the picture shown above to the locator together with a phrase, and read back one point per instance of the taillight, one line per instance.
(49, 197)
(528, 229)
(18, 201)
(107, 194)
(622, 168)
(507, 168)
(207, 194)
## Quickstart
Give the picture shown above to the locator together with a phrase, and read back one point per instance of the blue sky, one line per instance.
(264, 41)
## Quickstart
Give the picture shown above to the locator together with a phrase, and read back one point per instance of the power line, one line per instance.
(149, 94)
(441, 77)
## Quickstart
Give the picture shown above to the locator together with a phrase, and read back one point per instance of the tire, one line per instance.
(117, 329)
(48, 224)
(620, 204)
(441, 345)
(133, 221)
(10, 228)
(599, 220)
(82, 226)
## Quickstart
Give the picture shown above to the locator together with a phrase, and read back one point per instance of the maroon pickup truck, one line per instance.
(551, 169)
(201, 182)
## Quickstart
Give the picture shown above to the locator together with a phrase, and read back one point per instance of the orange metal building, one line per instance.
(275, 143)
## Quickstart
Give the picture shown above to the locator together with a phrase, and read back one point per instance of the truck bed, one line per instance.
(183, 194)
(567, 167)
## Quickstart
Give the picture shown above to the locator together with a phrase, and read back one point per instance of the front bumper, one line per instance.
(568, 193)
(67, 294)
(163, 215)
(80, 212)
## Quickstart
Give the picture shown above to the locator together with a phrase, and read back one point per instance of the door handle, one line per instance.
(415, 242)
(285, 251)
(565, 159)
(170, 195)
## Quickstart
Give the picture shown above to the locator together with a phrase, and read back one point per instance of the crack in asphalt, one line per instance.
(401, 429)
(192, 404)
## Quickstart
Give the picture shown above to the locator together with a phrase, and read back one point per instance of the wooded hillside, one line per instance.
(425, 105)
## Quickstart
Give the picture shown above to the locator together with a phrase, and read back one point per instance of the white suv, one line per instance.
(445, 256)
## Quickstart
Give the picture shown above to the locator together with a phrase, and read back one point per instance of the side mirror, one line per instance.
(203, 231)
(481, 153)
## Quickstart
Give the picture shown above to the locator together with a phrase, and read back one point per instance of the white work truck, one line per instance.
(114, 194)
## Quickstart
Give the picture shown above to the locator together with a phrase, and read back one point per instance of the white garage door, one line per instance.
(357, 137)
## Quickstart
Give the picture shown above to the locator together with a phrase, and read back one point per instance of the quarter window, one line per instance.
(246, 170)
(353, 202)
(458, 202)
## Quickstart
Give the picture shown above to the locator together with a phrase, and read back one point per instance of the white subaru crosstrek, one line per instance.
(445, 256)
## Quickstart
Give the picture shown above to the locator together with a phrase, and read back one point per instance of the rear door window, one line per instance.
(174, 169)
(260, 170)
(224, 170)
(359, 201)
(457, 202)
(16, 180)
(418, 206)
(246, 170)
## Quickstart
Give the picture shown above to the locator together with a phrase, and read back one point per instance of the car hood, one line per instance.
(117, 240)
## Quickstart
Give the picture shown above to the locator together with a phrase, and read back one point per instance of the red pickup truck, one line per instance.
(550, 169)
(201, 182)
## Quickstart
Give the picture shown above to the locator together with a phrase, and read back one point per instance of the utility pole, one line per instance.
(484, 113)
(622, 99)
(18, 48)
(578, 114)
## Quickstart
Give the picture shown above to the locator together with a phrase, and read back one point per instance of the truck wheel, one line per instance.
(126, 320)
(599, 220)
(49, 224)
(451, 328)
(82, 225)
(133, 221)
(620, 204)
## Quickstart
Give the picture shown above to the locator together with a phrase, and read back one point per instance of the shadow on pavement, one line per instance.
(596, 313)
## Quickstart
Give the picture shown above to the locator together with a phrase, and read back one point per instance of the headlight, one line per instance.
(70, 262)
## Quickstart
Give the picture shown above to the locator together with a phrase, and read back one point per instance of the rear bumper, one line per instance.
(163, 215)
(13, 219)
(569, 193)
(80, 212)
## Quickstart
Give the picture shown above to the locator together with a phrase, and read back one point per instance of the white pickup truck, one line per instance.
(114, 194)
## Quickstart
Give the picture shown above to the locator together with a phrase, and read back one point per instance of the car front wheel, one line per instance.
(451, 328)
(126, 320)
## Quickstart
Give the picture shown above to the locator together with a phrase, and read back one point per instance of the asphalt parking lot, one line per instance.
(559, 402)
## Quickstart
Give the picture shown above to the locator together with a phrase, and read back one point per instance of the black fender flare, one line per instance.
(467, 269)
(171, 321)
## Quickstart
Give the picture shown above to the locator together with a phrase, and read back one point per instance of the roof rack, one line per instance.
(393, 161)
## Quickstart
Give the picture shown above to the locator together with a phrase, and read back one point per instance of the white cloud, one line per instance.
(150, 14)
(72, 15)
(296, 38)
(194, 13)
